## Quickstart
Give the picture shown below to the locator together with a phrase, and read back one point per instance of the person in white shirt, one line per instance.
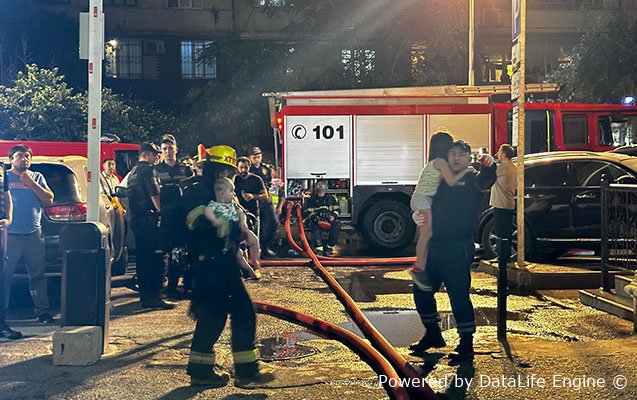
(108, 179)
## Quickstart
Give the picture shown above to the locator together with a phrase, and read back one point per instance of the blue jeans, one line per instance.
(30, 249)
(447, 263)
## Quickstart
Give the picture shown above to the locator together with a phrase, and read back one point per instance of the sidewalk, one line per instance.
(551, 336)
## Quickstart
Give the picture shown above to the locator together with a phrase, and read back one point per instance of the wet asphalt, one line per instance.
(556, 348)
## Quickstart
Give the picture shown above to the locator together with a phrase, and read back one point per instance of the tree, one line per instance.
(41, 106)
(602, 64)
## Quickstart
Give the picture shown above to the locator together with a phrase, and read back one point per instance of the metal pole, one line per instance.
(95, 57)
(520, 164)
(504, 253)
(472, 20)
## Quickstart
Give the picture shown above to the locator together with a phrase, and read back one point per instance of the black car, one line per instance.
(66, 177)
(562, 201)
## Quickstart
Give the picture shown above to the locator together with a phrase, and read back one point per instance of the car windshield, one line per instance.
(62, 182)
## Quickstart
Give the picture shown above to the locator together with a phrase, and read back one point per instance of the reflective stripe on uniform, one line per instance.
(201, 358)
(244, 357)
(193, 215)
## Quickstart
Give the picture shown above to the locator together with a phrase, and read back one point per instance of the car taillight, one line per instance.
(67, 213)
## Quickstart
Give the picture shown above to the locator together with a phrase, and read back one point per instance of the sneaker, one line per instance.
(268, 254)
(329, 251)
(218, 378)
(262, 376)
(430, 340)
(158, 304)
(9, 333)
(46, 318)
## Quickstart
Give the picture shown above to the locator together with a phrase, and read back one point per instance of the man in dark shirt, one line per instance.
(144, 207)
(321, 209)
(249, 188)
(267, 214)
(172, 174)
(454, 213)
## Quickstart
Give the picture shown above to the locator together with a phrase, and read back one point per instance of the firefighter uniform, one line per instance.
(268, 221)
(318, 209)
(218, 288)
(172, 217)
(143, 183)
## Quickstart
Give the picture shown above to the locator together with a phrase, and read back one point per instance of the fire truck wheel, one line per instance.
(388, 225)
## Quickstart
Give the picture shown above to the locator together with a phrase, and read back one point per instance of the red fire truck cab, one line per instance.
(369, 145)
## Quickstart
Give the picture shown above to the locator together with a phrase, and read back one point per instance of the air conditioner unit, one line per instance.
(154, 47)
(493, 17)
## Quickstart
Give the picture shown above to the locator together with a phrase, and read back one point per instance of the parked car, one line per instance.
(562, 201)
(629, 150)
(66, 176)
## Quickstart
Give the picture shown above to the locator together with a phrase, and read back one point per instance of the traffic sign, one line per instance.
(516, 7)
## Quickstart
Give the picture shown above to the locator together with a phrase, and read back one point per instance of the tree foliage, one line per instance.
(602, 64)
(39, 105)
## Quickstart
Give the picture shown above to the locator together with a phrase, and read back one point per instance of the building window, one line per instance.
(188, 4)
(358, 64)
(193, 66)
(128, 3)
(124, 61)
(417, 60)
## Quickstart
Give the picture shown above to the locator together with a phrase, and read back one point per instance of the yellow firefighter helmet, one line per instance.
(221, 154)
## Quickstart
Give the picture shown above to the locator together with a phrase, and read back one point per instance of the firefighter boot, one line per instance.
(257, 375)
(432, 339)
(204, 372)
(464, 350)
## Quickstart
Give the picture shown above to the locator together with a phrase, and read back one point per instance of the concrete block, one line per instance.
(77, 345)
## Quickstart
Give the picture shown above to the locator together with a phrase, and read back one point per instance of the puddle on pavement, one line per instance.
(285, 347)
(403, 327)
(364, 286)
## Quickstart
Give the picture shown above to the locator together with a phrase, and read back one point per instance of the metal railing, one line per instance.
(619, 229)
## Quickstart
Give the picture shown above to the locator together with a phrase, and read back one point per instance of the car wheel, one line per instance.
(119, 267)
(387, 225)
(489, 242)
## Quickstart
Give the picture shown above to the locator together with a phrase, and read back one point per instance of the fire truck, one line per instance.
(370, 145)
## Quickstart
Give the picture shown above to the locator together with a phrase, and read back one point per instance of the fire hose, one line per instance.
(332, 260)
(328, 331)
(404, 369)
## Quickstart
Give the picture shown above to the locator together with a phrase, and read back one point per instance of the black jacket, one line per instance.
(455, 209)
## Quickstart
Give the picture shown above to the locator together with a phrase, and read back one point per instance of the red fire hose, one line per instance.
(370, 355)
(404, 369)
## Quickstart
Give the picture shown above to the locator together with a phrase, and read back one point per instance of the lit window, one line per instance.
(417, 59)
(193, 66)
(125, 61)
(358, 64)
(268, 3)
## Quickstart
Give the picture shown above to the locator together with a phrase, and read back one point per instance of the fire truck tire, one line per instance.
(387, 225)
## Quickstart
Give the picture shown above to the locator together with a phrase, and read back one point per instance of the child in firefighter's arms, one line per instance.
(224, 210)
(431, 175)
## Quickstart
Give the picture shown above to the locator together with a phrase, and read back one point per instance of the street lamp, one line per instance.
(472, 20)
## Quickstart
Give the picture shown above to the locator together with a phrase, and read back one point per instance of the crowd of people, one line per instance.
(220, 209)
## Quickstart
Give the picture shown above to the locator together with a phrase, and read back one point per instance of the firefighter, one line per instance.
(322, 214)
(218, 288)
(171, 174)
(268, 221)
(144, 207)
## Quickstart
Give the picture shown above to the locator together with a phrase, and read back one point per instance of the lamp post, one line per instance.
(472, 20)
